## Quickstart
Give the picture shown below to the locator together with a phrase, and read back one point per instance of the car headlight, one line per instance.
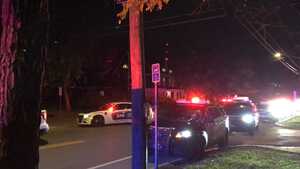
(184, 134)
(86, 116)
(247, 118)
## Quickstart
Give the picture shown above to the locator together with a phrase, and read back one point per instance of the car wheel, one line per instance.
(251, 132)
(195, 149)
(98, 121)
(257, 127)
(171, 148)
(224, 141)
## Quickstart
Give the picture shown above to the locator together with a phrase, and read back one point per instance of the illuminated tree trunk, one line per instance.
(22, 52)
(137, 87)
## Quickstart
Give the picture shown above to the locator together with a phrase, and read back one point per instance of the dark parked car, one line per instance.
(188, 129)
(242, 116)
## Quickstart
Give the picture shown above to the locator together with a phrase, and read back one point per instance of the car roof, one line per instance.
(238, 103)
(200, 106)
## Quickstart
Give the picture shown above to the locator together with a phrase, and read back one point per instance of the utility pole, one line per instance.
(137, 87)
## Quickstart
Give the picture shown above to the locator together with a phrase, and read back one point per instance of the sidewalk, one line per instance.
(290, 123)
(290, 149)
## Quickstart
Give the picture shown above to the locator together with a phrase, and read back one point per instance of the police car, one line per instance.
(243, 116)
(44, 126)
(188, 128)
(111, 113)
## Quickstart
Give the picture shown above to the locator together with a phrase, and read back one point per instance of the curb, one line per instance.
(284, 126)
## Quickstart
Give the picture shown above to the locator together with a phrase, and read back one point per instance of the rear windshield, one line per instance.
(179, 112)
(238, 108)
(106, 106)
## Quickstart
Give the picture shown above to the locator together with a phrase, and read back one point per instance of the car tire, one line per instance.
(257, 127)
(195, 150)
(223, 143)
(98, 121)
(251, 132)
(171, 148)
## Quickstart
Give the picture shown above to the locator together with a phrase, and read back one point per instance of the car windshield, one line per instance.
(179, 112)
(238, 108)
(106, 106)
(262, 106)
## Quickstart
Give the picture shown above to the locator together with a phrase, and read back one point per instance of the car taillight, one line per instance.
(44, 114)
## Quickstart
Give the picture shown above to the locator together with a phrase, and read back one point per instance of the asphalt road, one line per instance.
(68, 146)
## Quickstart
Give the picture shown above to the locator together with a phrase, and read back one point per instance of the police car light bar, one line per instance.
(194, 100)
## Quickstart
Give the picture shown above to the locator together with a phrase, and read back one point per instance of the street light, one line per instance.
(278, 55)
(125, 66)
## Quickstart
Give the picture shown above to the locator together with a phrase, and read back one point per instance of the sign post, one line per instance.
(60, 92)
(155, 80)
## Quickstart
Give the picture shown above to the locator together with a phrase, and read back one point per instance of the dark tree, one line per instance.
(23, 49)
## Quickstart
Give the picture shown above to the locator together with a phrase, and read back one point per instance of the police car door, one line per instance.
(217, 122)
(220, 120)
(210, 125)
(120, 113)
(128, 113)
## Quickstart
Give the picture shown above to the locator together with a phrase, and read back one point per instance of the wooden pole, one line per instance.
(137, 88)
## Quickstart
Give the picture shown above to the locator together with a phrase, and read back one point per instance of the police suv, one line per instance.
(187, 129)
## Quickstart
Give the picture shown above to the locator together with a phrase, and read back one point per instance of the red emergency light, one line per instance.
(195, 100)
(227, 100)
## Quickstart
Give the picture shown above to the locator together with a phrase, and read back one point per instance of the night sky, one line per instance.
(201, 54)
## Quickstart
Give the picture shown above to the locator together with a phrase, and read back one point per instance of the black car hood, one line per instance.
(172, 123)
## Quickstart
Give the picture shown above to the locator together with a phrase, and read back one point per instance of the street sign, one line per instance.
(60, 91)
(156, 73)
(155, 80)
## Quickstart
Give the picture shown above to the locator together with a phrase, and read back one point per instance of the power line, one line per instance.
(265, 39)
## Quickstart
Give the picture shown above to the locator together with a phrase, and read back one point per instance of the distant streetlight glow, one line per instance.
(125, 66)
(278, 55)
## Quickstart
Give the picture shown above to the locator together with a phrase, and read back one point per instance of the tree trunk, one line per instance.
(137, 87)
(68, 105)
(24, 26)
(66, 91)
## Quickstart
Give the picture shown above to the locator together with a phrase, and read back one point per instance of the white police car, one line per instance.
(44, 126)
(110, 113)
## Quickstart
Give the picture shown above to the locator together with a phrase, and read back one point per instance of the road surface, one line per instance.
(68, 146)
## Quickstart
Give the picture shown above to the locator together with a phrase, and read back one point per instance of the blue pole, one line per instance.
(156, 129)
(138, 130)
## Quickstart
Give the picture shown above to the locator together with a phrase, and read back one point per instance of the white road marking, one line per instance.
(111, 162)
(58, 145)
(127, 158)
